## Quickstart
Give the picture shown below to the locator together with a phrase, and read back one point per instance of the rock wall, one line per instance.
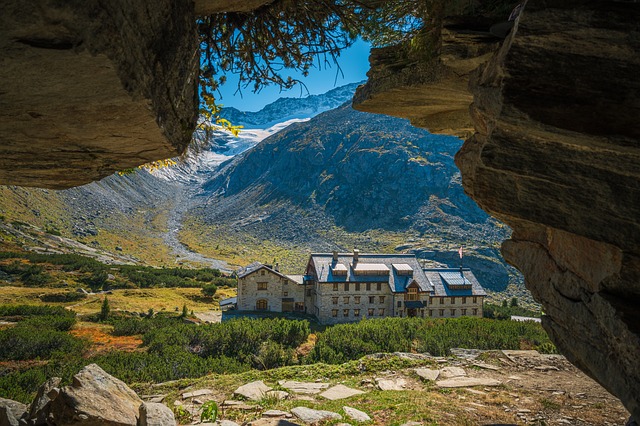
(555, 155)
(91, 87)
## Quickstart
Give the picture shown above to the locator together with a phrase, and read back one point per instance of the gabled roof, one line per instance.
(454, 282)
(324, 265)
(256, 266)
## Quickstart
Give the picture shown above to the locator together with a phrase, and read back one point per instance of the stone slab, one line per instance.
(461, 382)
(355, 414)
(309, 415)
(199, 392)
(427, 373)
(450, 372)
(392, 384)
(254, 391)
(340, 392)
(303, 387)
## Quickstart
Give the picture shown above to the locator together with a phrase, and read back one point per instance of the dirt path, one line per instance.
(183, 202)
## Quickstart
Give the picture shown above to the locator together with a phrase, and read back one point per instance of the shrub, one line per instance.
(69, 296)
(209, 290)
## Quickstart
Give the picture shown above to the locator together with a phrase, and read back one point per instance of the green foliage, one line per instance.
(209, 412)
(67, 296)
(514, 302)
(30, 275)
(435, 336)
(105, 309)
(41, 332)
(185, 311)
(505, 311)
(209, 290)
(183, 416)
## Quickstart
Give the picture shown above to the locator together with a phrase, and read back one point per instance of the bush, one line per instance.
(209, 290)
(69, 296)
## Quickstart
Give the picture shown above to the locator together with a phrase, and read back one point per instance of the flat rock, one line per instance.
(303, 387)
(461, 382)
(449, 372)
(355, 414)
(309, 415)
(274, 413)
(94, 398)
(236, 405)
(10, 412)
(340, 392)
(486, 366)
(199, 392)
(427, 373)
(396, 383)
(156, 414)
(254, 391)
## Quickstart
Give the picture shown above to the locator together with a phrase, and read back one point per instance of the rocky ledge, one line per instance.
(555, 155)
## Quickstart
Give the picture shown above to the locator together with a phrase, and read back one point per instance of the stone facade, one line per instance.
(340, 288)
(263, 288)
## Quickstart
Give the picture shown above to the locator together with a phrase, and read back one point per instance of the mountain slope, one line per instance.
(346, 179)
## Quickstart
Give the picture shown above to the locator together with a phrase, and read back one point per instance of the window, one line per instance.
(346, 286)
(356, 299)
(262, 286)
(422, 313)
(345, 313)
(299, 306)
(262, 272)
(357, 286)
(335, 286)
(372, 299)
(381, 299)
(464, 300)
(379, 286)
(441, 312)
(345, 299)
(412, 294)
(464, 311)
(356, 312)
(368, 286)
(475, 299)
(381, 312)
(334, 313)
(399, 304)
(285, 294)
(442, 300)
(453, 312)
(431, 300)
(430, 312)
(261, 305)
(370, 312)
(453, 300)
(334, 300)
(475, 311)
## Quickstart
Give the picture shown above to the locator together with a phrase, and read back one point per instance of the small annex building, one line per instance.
(264, 288)
(346, 287)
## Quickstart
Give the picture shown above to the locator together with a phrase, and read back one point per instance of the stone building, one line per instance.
(339, 287)
(264, 288)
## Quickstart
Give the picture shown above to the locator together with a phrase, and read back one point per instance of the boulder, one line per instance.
(10, 412)
(450, 372)
(395, 383)
(96, 398)
(41, 405)
(156, 414)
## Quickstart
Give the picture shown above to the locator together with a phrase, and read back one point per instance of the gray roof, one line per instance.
(229, 301)
(298, 279)
(324, 264)
(447, 282)
(255, 266)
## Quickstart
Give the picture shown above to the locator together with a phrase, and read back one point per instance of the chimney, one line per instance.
(356, 254)
(335, 255)
(277, 267)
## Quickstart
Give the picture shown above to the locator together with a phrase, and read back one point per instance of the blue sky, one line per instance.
(354, 62)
